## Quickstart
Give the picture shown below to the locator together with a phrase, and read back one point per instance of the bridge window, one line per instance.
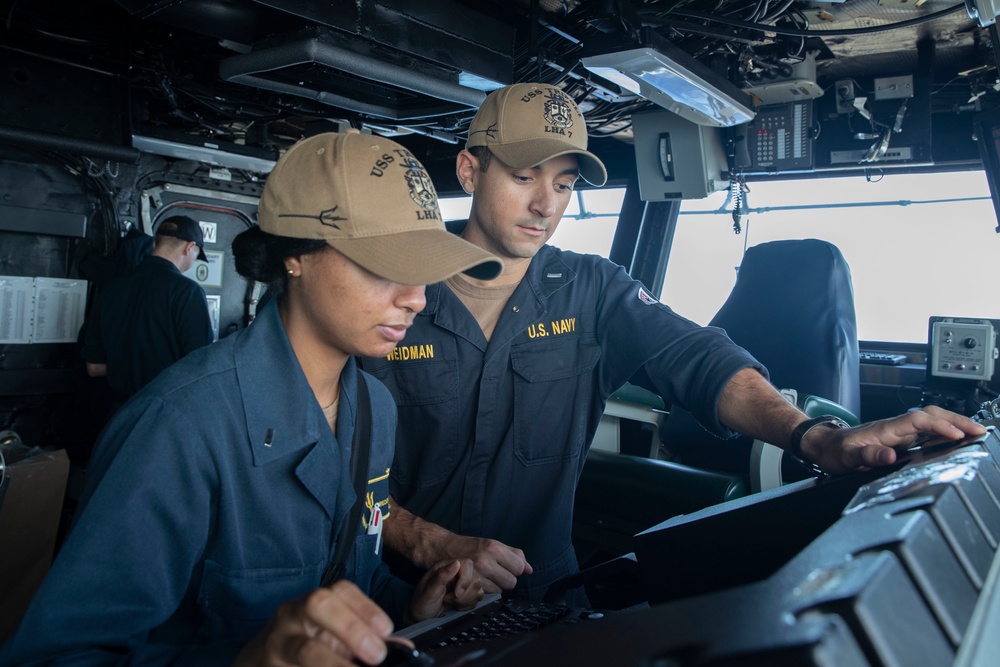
(918, 245)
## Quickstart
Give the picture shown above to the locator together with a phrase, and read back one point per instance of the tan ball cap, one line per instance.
(526, 124)
(372, 200)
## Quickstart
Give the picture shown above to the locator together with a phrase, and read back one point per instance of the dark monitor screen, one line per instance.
(987, 126)
(740, 541)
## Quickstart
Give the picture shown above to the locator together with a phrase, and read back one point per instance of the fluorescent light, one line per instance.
(665, 75)
(205, 151)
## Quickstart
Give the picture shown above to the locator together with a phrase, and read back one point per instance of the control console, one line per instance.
(899, 566)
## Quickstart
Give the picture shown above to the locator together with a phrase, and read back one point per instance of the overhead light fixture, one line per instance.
(664, 74)
(316, 63)
(219, 153)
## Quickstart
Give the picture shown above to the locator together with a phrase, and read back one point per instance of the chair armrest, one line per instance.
(815, 406)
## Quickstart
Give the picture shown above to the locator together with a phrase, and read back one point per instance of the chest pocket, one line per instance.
(426, 391)
(237, 603)
(420, 374)
(553, 388)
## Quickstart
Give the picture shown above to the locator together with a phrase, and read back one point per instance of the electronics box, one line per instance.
(677, 159)
(962, 348)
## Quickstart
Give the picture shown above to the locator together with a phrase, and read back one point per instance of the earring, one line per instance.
(290, 272)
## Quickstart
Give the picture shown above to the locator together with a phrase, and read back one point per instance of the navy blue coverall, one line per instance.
(213, 496)
(492, 436)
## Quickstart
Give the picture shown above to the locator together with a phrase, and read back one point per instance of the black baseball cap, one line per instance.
(186, 229)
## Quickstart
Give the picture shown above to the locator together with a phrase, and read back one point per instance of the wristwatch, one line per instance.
(800, 432)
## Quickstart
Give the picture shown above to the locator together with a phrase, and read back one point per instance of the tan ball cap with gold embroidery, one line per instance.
(526, 124)
(372, 200)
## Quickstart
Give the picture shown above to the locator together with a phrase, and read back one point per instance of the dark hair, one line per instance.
(261, 256)
(484, 155)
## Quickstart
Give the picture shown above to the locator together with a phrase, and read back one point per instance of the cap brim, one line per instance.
(420, 257)
(526, 154)
(201, 254)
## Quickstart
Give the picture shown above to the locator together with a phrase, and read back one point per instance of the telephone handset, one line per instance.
(666, 154)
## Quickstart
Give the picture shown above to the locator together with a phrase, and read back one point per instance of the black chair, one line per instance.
(793, 308)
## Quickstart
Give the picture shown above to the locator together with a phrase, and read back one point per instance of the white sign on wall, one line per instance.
(208, 274)
(41, 310)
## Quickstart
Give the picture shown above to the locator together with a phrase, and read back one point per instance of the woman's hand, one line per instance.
(330, 627)
(450, 582)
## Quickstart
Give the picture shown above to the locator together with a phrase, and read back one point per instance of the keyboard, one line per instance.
(882, 358)
(493, 618)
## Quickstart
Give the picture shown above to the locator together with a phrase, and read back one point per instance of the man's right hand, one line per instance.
(425, 544)
(497, 565)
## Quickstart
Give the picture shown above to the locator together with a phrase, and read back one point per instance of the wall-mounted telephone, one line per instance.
(778, 139)
(677, 159)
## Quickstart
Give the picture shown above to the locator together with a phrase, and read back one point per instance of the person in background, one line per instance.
(501, 384)
(151, 316)
(218, 498)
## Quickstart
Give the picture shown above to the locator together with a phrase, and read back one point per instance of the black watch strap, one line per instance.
(800, 432)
